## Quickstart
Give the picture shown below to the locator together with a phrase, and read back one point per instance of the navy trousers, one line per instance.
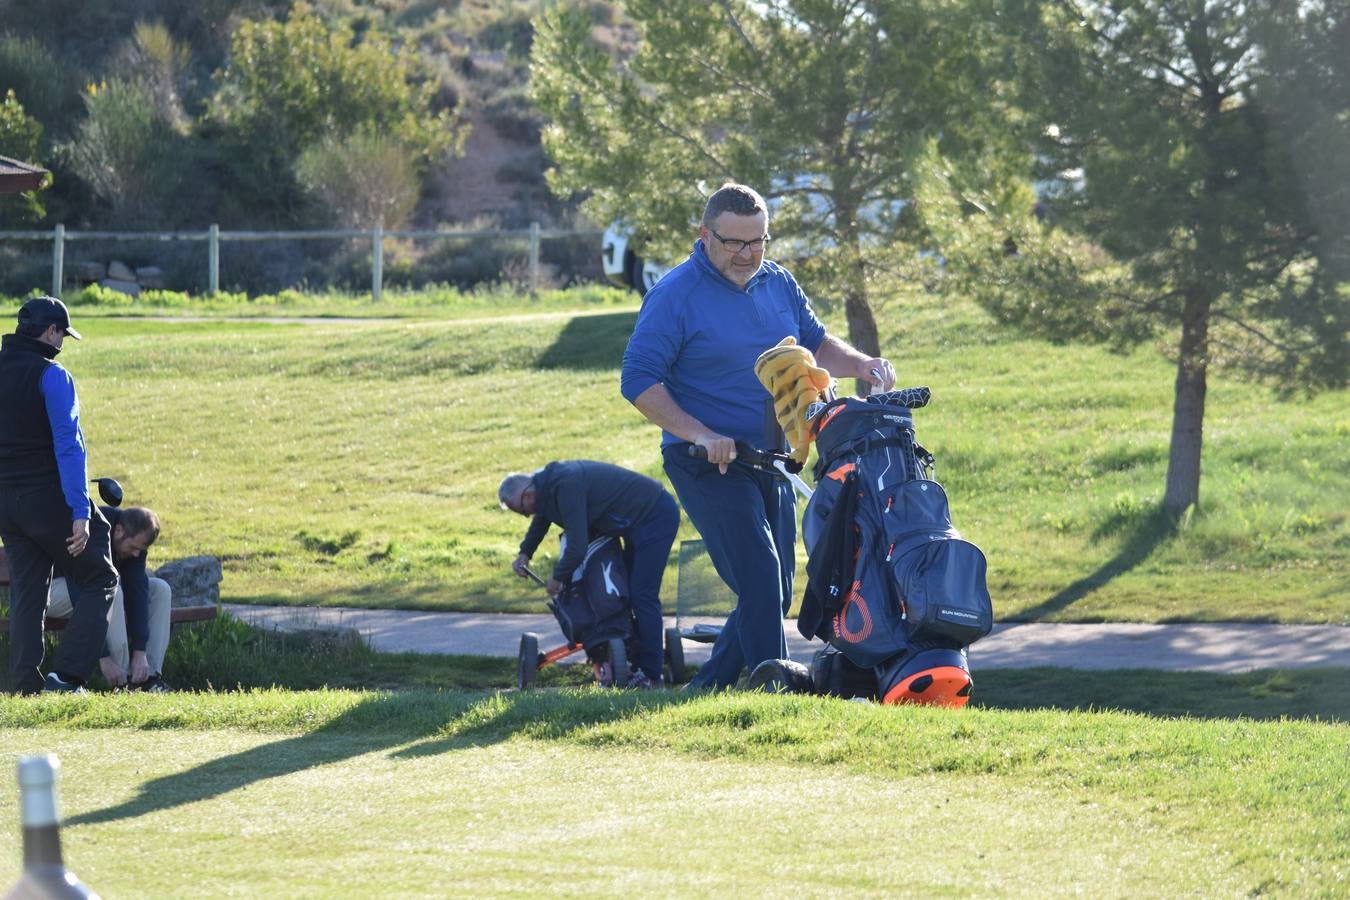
(646, 552)
(748, 521)
(34, 525)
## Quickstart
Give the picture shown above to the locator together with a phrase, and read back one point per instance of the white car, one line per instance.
(624, 267)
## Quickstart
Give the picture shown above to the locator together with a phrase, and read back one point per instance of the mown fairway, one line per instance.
(348, 463)
(344, 794)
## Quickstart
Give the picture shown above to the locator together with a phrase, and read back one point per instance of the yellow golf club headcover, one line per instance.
(790, 374)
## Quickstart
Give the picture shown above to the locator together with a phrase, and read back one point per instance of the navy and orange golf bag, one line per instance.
(892, 588)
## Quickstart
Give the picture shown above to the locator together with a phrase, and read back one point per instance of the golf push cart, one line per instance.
(596, 617)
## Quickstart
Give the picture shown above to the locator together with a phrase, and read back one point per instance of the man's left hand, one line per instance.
(870, 369)
(554, 586)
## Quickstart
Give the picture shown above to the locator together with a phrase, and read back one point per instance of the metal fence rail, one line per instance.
(213, 236)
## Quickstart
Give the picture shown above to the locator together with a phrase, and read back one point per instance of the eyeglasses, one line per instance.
(735, 246)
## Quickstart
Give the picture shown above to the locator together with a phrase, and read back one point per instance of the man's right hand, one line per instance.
(720, 448)
(115, 675)
(520, 564)
(79, 537)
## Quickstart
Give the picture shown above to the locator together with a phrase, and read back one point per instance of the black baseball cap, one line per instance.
(44, 311)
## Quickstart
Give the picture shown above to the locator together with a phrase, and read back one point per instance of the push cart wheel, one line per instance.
(675, 655)
(780, 676)
(527, 664)
(618, 662)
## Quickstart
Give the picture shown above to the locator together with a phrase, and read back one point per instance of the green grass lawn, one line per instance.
(356, 464)
(577, 793)
(434, 302)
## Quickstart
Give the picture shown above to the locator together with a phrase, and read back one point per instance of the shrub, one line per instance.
(123, 148)
(362, 180)
(98, 295)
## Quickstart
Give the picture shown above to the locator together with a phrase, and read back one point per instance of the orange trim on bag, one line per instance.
(841, 473)
(949, 686)
(855, 600)
(820, 426)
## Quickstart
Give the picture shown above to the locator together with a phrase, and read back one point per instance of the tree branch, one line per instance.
(750, 86)
(641, 109)
(740, 32)
(1102, 37)
(1252, 330)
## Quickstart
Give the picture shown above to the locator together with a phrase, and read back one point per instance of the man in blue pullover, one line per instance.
(45, 513)
(689, 368)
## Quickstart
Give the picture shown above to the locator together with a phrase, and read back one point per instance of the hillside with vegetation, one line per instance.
(252, 115)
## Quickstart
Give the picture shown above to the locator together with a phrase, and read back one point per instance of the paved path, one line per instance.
(1203, 648)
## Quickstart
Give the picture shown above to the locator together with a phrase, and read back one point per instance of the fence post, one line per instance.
(213, 260)
(58, 259)
(376, 262)
(534, 258)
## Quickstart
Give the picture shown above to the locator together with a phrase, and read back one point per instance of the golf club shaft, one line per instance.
(800, 485)
(535, 578)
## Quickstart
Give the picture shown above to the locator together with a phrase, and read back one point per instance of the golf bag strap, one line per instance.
(829, 571)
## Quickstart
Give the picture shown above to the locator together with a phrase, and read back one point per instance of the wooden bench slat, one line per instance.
(176, 615)
(58, 623)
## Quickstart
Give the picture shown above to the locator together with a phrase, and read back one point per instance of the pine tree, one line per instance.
(821, 105)
(1200, 151)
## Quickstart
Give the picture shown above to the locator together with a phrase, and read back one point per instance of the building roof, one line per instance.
(16, 176)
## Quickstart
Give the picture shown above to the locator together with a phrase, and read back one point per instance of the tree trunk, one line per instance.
(862, 324)
(1188, 413)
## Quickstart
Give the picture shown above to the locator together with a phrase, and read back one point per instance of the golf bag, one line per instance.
(891, 585)
(593, 607)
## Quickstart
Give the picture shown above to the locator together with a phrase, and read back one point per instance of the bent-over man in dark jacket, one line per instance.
(590, 498)
(141, 615)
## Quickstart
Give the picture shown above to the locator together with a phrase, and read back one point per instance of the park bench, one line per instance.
(57, 623)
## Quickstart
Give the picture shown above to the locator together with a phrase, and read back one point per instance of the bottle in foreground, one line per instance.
(45, 874)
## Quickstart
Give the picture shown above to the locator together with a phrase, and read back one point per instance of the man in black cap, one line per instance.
(45, 512)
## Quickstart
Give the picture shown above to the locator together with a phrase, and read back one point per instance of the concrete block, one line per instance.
(150, 277)
(130, 288)
(89, 271)
(195, 580)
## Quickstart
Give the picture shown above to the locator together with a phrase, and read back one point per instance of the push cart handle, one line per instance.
(752, 456)
(774, 461)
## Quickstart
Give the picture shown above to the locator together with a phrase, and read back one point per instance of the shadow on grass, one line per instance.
(381, 724)
(590, 342)
(354, 733)
(542, 716)
(1265, 695)
(1144, 536)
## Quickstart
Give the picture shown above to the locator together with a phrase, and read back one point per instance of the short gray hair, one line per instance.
(737, 199)
(512, 484)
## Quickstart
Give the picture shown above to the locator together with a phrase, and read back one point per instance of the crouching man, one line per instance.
(138, 622)
(587, 498)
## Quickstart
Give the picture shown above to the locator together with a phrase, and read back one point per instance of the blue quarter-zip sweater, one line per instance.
(63, 412)
(699, 335)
